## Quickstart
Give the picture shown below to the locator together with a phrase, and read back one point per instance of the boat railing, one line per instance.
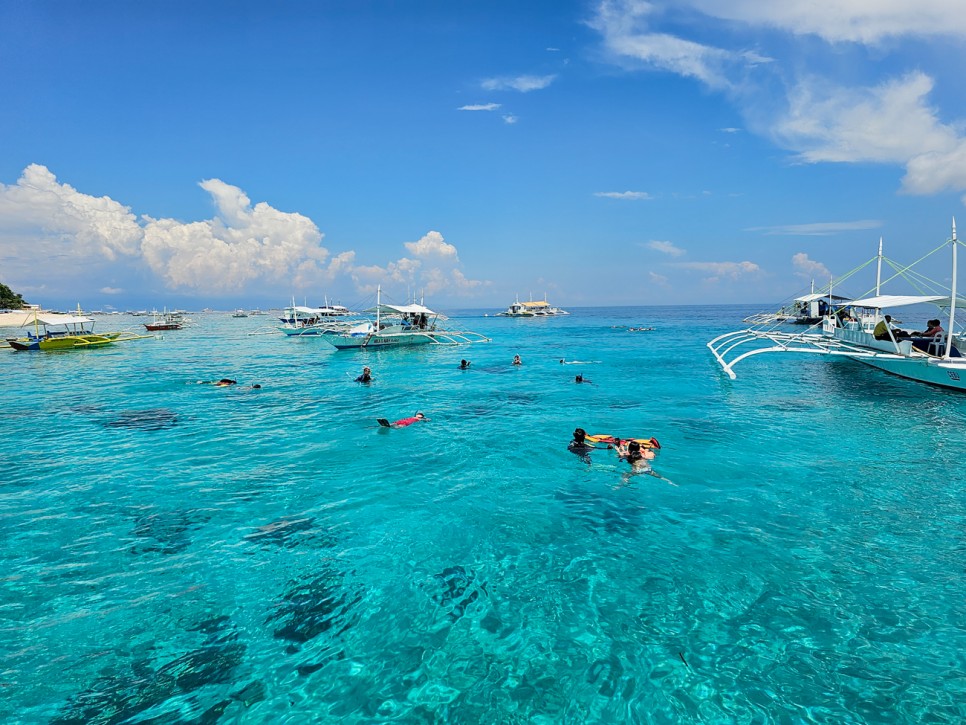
(732, 347)
(457, 338)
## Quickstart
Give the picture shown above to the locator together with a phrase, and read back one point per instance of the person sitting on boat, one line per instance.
(935, 328)
(464, 364)
(366, 376)
(884, 329)
(517, 360)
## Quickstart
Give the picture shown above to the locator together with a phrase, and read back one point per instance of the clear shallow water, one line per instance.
(176, 552)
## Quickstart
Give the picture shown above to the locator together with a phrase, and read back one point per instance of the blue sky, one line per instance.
(230, 154)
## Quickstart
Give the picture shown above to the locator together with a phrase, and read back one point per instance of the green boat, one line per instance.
(64, 332)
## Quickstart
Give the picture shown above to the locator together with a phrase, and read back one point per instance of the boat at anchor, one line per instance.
(400, 326)
(532, 308)
(862, 331)
(65, 332)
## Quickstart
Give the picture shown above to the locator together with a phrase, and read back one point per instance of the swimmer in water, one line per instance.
(402, 422)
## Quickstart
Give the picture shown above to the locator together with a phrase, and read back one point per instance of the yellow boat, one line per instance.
(64, 332)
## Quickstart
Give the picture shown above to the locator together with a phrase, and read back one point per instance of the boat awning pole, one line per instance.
(952, 301)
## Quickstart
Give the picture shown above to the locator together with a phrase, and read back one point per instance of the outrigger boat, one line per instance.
(850, 330)
(398, 326)
(165, 321)
(65, 332)
(300, 321)
(538, 308)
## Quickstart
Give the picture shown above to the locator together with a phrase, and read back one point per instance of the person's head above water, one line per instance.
(420, 416)
(633, 451)
(579, 435)
(579, 379)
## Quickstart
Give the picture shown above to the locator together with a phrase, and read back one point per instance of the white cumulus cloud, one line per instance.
(809, 268)
(57, 221)
(97, 242)
(240, 245)
(431, 244)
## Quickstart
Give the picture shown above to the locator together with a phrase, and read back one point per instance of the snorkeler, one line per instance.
(228, 382)
(580, 446)
(366, 376)
(464, 364)
(517, 360)
(582, 379)
(402, 422)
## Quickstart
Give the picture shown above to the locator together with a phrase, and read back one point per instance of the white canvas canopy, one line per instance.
(24, 318)
(819, 296)
(49, 318)
(883, 301)
(412, 309)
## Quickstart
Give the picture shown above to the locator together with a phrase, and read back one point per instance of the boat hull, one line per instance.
(62, 342)
(356, 342)
(308, 331)
(935, 371)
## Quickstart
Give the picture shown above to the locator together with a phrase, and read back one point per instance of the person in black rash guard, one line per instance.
(580, 446)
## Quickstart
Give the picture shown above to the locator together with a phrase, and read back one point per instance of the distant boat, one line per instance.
(860, 331)
(533, 308)
(165, 321)
(64, 332)
(300, 321)
(239, 313)
(400, 326)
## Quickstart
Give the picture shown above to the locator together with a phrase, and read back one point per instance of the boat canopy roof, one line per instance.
(537, 303)
(26, 317)
(412, 309)
(882, 301)
(311, 310)
(820, 296)
(55, 319)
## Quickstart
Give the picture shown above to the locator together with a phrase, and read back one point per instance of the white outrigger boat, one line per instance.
(805, 310)
(301, 321)
(399, 326)
(533, 308)
(849, 331)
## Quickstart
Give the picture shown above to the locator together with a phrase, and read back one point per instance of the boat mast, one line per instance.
(878, 270)
(378, 304)
(952, 304)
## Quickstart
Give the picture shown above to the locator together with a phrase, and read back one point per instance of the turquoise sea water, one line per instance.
(180, 553)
